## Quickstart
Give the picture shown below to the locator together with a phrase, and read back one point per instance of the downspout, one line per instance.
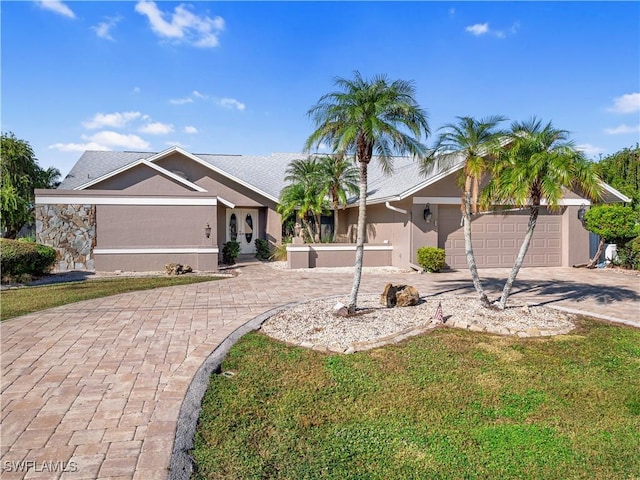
(395, 209)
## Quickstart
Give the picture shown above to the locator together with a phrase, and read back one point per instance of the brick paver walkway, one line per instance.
(95, 387)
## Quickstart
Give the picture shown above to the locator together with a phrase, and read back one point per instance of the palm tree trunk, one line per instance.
(592, 263)
(533, 218)
(468, 246)
(336, 223)
(362, 218)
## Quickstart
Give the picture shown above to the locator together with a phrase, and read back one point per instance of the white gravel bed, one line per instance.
(315, 323)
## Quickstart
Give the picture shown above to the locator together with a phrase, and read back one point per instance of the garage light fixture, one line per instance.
(581, 213)
(427, 213)
(207, 230)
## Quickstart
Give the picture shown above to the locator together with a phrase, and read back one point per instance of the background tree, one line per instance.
(613, 224)
(364, 117)
(474, 140)
(339, 178)
(305, 195)
(622, 171)
(20, 175)
(537, 164)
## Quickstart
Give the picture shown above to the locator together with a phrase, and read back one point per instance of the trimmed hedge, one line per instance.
(20, 258)
(431, 259)
(263, 252)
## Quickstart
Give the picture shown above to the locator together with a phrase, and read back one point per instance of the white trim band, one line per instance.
(99, 200)
(338, 248)
(564, 202)
(126, 251)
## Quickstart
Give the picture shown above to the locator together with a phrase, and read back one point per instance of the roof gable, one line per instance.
(146, 163)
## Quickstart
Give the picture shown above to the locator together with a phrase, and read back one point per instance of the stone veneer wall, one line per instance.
(71, 230)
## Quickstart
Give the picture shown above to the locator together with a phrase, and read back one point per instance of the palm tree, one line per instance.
(339, 177)
(305, 195)
(474, 140)
(364, 117)
(537, 165)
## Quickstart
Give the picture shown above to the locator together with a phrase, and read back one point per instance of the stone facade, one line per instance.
(71, 230)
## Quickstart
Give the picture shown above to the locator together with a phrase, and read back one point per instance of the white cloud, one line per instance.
(231, 103)
(114, 120)
(190, 129)
(181, 101)
(58, 7)
(622, 129)
(452, 11)
(589, 149)
(483, 29)
(182, 25)
(628, 103)
(115, 139)
(156, 128)
(136, 90)
(196, 93)
(77, 147)
(478, 28)
(103, 29)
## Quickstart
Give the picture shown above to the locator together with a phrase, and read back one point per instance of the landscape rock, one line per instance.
(399, 295)
(341, 310)
(177, 269)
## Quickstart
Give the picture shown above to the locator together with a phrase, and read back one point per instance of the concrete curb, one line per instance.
(181, 465)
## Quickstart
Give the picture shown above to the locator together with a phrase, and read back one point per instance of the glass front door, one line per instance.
(242, 226)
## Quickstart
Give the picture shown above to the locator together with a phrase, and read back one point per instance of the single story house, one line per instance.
(137, 211)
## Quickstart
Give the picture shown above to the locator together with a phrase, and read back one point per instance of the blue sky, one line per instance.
(239, 77)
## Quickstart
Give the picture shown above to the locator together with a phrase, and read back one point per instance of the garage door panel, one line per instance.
(497, 239)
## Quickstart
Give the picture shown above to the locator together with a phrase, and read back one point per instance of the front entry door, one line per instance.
(242, 226)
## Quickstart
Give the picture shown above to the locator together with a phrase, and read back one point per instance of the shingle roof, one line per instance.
(265, 173)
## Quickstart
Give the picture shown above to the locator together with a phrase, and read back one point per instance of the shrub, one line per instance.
(280, 252)
(230, 251)
(628, 254)
(25, 258)
(263, 252)
(431, 259)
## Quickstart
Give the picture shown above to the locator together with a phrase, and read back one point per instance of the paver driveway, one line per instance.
(95, 388)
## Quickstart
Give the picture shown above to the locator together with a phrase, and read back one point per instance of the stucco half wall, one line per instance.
(130, 232)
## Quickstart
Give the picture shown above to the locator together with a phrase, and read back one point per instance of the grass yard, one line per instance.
(448, 405)
(20, 301)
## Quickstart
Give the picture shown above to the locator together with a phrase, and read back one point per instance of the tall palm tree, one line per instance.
(475, 140)
(537, 165)
(339, 177)
(364, 117)
(304, 195)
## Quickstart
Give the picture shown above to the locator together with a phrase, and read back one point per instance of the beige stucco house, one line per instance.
(137, 211)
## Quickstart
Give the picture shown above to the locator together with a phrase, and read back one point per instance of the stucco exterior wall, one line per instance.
(154, 225)
(141, 180)
(575, 245)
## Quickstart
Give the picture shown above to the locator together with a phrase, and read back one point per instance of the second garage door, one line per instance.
(497, 238)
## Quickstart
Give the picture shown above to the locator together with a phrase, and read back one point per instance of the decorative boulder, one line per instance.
(340, 310)
(399, 295)
(407, 297)
(177, 269)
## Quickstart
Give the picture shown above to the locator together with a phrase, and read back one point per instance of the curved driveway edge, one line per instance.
(94, 389)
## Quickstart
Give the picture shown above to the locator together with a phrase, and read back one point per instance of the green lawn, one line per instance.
(448, 405)
(21, 301)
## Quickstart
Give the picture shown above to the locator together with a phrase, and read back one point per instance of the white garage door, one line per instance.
(497, 238)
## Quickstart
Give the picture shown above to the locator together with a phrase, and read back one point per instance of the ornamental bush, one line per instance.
(25, 258)
(230, 251)
(431, 259)
(612, 223)
(263, 252)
